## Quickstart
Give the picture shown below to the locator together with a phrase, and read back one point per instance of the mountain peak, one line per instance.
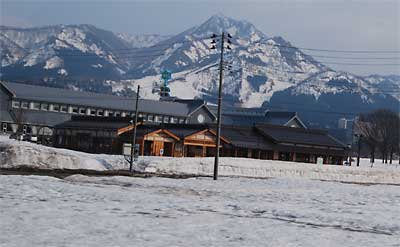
(219, 23)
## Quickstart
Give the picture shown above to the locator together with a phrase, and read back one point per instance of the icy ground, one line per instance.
(125, 211)
(15, 154)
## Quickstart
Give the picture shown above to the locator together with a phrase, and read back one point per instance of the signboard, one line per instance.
(126, 150)
(320, 160)
(161, 151)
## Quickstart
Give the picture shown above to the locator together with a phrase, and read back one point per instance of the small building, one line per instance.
(261, 141)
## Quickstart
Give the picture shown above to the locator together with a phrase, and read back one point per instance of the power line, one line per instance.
(332, 50)
(129, 50)
(356, 58)
(363, 64)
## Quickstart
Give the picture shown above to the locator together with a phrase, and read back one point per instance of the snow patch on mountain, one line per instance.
(54, 62)
(74, 37)
(62, 72)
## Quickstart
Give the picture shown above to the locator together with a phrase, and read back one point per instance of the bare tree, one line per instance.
(380, 129)
(20, 119)
(370, 133)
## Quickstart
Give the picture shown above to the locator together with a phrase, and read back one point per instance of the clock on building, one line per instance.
(201, 118)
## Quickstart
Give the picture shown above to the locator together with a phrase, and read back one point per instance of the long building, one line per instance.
(260, 141)
(30, 109)
(27, 108)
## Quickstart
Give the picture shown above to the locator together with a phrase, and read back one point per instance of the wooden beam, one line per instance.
(130, 127)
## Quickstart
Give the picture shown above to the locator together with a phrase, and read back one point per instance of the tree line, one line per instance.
(380, 132)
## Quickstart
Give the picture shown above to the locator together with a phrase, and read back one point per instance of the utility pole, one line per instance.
(219, 118)
(221, 74)
(134, 121)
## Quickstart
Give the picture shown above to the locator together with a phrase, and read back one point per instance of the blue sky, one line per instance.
(326, 24)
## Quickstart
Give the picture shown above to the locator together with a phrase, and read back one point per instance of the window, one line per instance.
(4, 127)
(44, 107)
(92, 112)
(117, 114)
(35, 106)
(100, 113)
(74, 110)
(64, 108)
(25, 129)
(173, 120)
(24, 104)
(150, 118)
(166, 119)
(16, 104)
(181, 120)
(56, 107)
(82, 111)
(158, 119)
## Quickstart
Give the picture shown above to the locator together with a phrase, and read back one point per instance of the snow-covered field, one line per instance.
(126, 211)
(291, 206)
(15, 154)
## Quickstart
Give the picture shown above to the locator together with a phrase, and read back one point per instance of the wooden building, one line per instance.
(175, 140)
(261, 141)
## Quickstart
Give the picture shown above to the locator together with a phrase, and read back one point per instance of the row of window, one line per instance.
(93, 112)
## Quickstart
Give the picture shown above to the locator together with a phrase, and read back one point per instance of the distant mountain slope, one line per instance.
(266, 70)
(142, 40)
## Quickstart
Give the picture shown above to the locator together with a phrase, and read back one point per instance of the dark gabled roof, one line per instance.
(282, 134)
(96, 100)
(279, 117)
(245, 136)
(250, 116)
(243, 119)
(183, 130)
(109, 123)
(195, 104)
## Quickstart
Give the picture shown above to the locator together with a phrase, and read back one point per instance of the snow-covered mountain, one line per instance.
(265, 70)
(75, 51)
(142, 40)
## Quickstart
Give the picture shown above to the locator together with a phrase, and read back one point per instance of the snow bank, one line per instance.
(272, 168)
(16, 154)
